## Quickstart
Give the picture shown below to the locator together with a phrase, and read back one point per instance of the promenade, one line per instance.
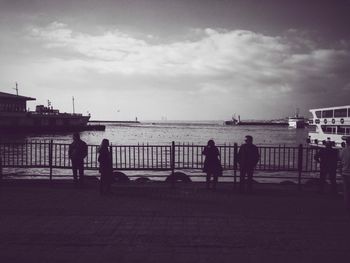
(150, 222)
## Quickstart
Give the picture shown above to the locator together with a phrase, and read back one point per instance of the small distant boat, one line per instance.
(233, 121)
(296, 121)
(332, 124)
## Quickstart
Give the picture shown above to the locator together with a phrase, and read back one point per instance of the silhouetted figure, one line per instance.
(78, 150)
(105, 168)
(248, 157)
(212, 163)
(328, 158)
(345, 159)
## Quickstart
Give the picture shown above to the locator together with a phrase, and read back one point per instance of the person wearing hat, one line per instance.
(345, 159)
(328, 159)
(248, 157)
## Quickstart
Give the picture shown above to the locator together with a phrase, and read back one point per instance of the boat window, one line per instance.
(341, 130)
(318, 114)
(327, 114)
(329, 129)
(341, 113)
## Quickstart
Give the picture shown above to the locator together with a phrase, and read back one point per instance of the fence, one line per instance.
(48, 154)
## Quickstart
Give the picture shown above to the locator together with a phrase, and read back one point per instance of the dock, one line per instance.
(113, 122)
(151, 222)
(269, 123)
(256, 123)
(94, 127)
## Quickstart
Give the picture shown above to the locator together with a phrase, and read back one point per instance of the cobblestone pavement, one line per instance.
(151, 222)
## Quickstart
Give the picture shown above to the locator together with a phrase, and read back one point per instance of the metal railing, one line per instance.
(48, 154)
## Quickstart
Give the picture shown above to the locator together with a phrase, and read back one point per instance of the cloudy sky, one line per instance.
(186, 60)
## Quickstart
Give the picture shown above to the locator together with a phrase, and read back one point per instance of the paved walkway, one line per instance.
(150, 222)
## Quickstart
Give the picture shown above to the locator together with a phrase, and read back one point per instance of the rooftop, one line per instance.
(14, 96)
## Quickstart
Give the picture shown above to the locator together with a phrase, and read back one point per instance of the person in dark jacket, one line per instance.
(248, 157)
(105, 168)
(77, 152)
(212, 164)
(328, 159)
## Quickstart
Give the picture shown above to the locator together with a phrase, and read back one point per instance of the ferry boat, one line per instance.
(331, 124)
(15, 117)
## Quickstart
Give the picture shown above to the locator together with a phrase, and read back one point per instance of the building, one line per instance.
(13, 103)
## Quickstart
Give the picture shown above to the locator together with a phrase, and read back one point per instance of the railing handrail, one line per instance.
(170, 157)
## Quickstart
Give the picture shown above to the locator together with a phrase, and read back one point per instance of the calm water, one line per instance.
(164, 134)
(183, 132)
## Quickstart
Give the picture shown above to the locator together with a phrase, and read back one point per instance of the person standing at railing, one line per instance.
(248, 158)
(78, 150)
(105, 168)
(328, 159)
(212, 164)
(345, 159)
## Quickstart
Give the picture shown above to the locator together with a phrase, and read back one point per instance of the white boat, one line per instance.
(233, 121)
(296, 121)
(332, 124)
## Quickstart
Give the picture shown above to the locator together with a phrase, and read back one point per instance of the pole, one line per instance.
(16, 88)
(300, 165)
(50, 158)
(172, 164)
(0, 170)
(111, 154)
(73, 105)
(235, 161)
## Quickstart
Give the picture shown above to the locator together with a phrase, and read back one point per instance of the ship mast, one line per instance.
(16, 89)
(73, 105)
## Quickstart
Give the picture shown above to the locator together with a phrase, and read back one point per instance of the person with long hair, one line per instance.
(105, 168)
(212, 164)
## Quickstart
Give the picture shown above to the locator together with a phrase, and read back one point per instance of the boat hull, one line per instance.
(32, 121)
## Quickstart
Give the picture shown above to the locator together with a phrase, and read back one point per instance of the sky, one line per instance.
(179, 60)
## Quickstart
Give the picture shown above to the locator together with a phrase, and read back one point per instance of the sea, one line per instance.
(163, 133)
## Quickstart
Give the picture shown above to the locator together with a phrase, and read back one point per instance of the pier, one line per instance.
(150, 222)
(113, 122)
(50, 220)
(261, 123)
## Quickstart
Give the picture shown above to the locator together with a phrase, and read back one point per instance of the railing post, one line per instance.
(111, 154)
(235, 161)
(172, 164)
(300, 164)
(50, 158)
(0, 170)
